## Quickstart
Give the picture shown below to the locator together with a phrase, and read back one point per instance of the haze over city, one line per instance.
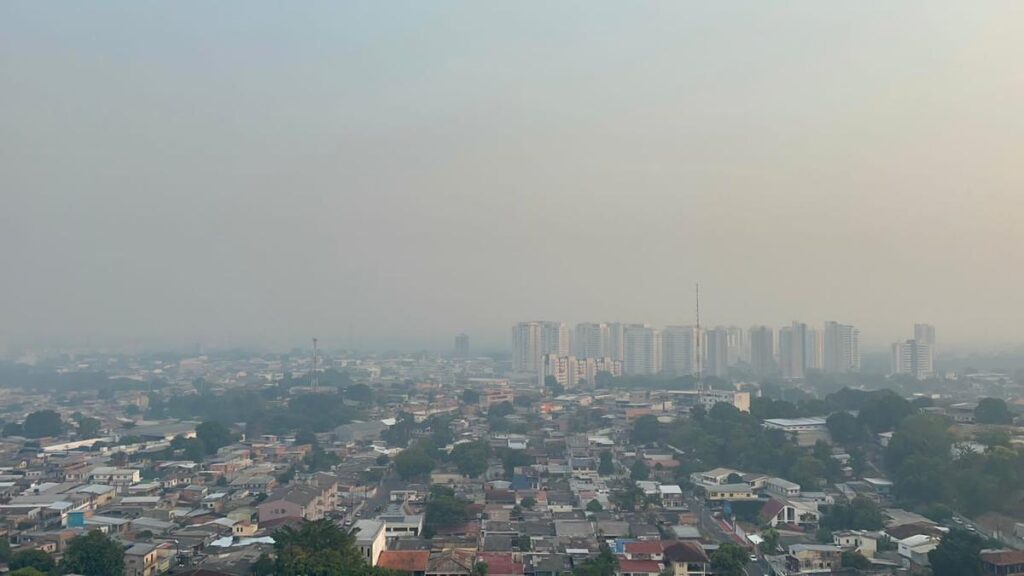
(386, 176)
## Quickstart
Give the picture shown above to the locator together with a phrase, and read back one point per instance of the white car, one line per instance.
(753, 557)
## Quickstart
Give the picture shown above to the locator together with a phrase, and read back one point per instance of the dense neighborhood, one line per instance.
(445, 467)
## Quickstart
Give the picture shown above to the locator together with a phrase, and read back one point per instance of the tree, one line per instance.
(26, 571)
(992, 411)
(214, 435)
(95, 554)
(854, 559)
(594, 506)
(884, 412)
(639, 470)
(89, 427)
(553, 386)
(321, 548)
(958, 554)
(770, 541)
(5, 550)
(444, 509)
(36, 559)
(471, 457)
(845, 428)
(605, 466)
(605, 564)
(264, 566)
(470, 397)
(646, 430)
(413, 463)
(861, 513)
(729, 560)
(42, 423)
(306, 437)
(480, 569)
(529, 502)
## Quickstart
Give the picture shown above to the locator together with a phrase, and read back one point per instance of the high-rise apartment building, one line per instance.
(925, 334)
(570, 371)
(462, 346)
(679, 347)
(762, 351)
(642, 349)
(616, 341)
(717, 352)
(793, 350)
(913, 358)
(591, 340)
(841, 348)
(532, 340)
(738, 349)
(814, 353)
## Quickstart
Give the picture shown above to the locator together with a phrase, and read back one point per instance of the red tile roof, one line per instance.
(1003, 557)
(404, 560)
(638, 566)
(685, 552)
(500, 563)
(644, 547)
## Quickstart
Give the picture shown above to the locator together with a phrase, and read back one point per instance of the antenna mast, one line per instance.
(700, 355)
(315, 380)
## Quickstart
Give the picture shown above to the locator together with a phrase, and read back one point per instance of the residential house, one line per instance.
(687, 559)
(411, 562)
(813, 558)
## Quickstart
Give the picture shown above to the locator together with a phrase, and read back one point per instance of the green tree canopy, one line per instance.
(646, 430)
(471, 457)
(958, 554)
(95, 554)
(845, 428)
(605, 466)
(413, 463)
(992, 411)
(213, 435)
(42, 423)
(89, 427)
(35, 559)
(729, 560)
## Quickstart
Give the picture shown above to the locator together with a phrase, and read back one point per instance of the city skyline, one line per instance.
(171, 179)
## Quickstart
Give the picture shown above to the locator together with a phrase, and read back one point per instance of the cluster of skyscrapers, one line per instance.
(687, 350)
(915, 357)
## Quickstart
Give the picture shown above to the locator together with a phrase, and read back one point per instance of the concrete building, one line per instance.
(814, 351)
(462, 346)
(717, 352)
(616, 341)
(793, 350)
(370, 539)
(642, 350)
(679, 350)
(913, 358)
(591, 340)
(532, 340)
(762, 350)
(841, 348)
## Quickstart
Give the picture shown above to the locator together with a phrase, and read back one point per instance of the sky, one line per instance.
(388, 174)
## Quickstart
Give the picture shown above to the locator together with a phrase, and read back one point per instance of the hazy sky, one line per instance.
(389, 173)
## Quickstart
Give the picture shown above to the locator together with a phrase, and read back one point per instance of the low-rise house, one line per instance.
(866, 543)
(1002, 562)
(638, 568)
(687, 559)
(813, 558)
(370, 539)
(411, 562)
(782, 487)
(140, 560)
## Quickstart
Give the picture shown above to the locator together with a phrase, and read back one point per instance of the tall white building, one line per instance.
(841, 348)
(532, 340)
(762, 350)
(814, 353)
(717, 352)
(679, 347)
(792, 351)
(616, 341)
(738, 349)
(591, 340)
(925, 334)
(642, 350)
(913, 358)
(570, 371)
